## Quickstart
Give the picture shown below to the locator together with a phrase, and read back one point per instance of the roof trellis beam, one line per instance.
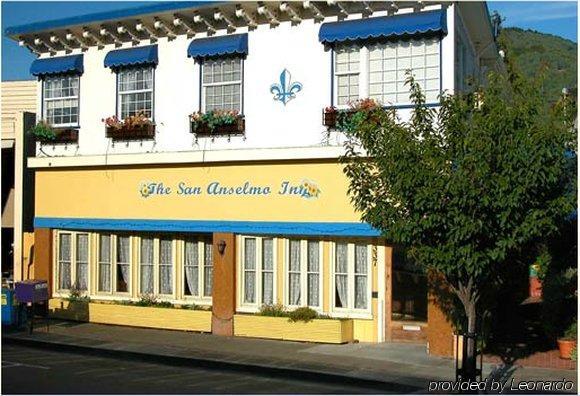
(241, 13)
(178, 21)
(71, 37)
(219, 16)
(197, 18)
(265, 11)
(308, 5)
(287, 8)
(87, 34)
(160, 25)
(40, 42)
(31, 47)
(141, 27)
(58, 41)
(104, 32)
(122, 29)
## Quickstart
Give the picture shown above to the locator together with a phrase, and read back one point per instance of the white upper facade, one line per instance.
(286, 59)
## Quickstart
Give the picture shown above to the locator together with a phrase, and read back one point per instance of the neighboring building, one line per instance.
(251, 213)
(18, 97)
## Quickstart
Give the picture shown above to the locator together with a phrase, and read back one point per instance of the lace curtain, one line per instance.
(191, 268)
(267, 271)
(104, 263)
(165, 266)
(82, 262)
(208, 268)
(341, 275)
(313, 273)
(123, 263)
(294, 273)
(249, 270)
(360, 276)
(147, 265)
(64, 252)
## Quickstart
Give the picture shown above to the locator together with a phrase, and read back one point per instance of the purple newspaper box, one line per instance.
(31, 291)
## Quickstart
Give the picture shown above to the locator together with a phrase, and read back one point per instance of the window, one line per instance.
(257, 263)
(346, 70)
(351, 273)
(165, 266)
(379, 71)
(388, 64)
(222, 84)
(197, 268)
(123, 272)
(146, 266)
(61, 100)
(135, 90)
(156, 258)
(73, 261)
(104, 263)
(303, 273)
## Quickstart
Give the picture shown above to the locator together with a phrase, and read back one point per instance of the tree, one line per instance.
(467, 186)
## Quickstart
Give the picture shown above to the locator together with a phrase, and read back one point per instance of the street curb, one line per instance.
(216, 364)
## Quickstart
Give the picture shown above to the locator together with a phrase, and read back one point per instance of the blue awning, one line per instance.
(135, 56)
(218, 46)
(63, 64)
(417, 23)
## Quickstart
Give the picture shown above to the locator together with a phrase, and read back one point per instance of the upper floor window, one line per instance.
(222, 84)
(379, 71)
(135, 90)
(61, 100)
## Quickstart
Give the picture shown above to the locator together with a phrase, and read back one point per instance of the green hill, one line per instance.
(532, 49)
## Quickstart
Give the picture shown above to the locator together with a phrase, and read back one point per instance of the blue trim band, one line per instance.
(208, 226)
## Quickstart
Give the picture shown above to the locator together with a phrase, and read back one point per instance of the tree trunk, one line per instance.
(468, 297)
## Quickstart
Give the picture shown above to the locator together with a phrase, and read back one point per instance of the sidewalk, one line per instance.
(404, 368)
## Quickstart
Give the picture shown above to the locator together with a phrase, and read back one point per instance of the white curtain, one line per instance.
(313, 273)
(82, 261)
(165, 266)
(147, 265)
(341, 275)
(267, 271)
(104, 263)
(64, 251)
(294, 273)
(360, 269)
(123, 262)
(208, 268)
(249, 270)
(192, 267)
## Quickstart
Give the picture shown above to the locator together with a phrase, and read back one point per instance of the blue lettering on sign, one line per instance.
(184, 189)
(215, 188)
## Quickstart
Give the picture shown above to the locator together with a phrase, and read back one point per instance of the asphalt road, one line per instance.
(39, 371)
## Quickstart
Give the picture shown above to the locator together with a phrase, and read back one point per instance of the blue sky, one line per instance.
(555, 17)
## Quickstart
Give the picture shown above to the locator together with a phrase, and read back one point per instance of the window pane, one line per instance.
(294, 255)
(225, 76)
(104, 263)
(82, 262)
(64, 251)
(191, 268)
(208, 269)
(58, 110)
(249, 270)
(361, 265)
(341, 277)
(147, 265)
(267, 271)
(123, 263)
(313, 267)
(165, 266)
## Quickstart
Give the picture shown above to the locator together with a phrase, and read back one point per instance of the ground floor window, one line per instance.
(197, 267)
(409, 288)
(351, 277)
(72, 271)
(257, 271)
(303, 273)
(156, 265)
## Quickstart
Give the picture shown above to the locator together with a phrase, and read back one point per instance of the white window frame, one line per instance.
(201, 298)
(136, 91)
(157, 266)
(45, 100)
(360, 73)
(243, 306)
(204, 85)
(303, 273)
(364, 73)
(57, 291)
(111, 294)
(350, 311)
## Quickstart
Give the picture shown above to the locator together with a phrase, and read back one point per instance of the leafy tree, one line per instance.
(466, 186)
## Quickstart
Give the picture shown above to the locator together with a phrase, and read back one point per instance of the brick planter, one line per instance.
(142, 132)
(63, 136)
(203, 130)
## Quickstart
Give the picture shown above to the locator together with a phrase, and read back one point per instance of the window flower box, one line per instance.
(137, 127)
(331, 116)
(217, 123)
(331, 331)
(45, 133)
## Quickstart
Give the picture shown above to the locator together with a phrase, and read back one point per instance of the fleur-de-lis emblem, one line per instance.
(285, 90)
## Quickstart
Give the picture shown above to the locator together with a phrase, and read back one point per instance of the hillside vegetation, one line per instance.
(533, 49)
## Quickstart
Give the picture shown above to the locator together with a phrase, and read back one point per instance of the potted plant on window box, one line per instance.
(217, 122)
(333, 117)
(136, 127)
(567, 343)
(45, 133)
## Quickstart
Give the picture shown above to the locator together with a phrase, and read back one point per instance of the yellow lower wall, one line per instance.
(364, 330)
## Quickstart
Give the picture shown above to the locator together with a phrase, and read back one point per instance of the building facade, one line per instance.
(227, 192)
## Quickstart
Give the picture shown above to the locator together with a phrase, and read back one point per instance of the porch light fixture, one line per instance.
(221, 246)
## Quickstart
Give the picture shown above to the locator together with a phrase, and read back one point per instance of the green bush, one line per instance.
(574, 353)
(75, 295)
(43, 131)
(304, 314)
(149, 300)
(276, 310)
(571, 332)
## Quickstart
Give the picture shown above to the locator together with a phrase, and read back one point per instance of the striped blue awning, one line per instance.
(218, 46)
(417, 23)
(63, 64)
(135, 56)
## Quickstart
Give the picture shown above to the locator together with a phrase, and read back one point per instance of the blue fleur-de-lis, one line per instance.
(286, 90)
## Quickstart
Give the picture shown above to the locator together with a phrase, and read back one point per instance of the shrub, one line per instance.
(146, 300)
(574, 353)
(276, 310)
(76, 296)
(304, 314)
(43, 131)
(571, 332)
